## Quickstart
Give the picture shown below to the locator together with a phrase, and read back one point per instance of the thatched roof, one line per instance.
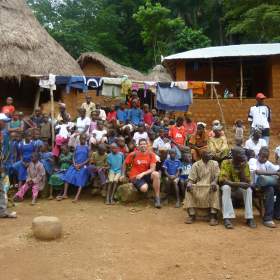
(26, 48)
(160, 74)
(113, 68)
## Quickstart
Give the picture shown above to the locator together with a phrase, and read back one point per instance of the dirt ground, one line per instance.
(134, 241)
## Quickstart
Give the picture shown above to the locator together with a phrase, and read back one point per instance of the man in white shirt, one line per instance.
(89, 106)
(260, 117)
(269, 183)
(255, 143)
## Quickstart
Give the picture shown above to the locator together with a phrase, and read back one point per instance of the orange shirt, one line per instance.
(178, 134)
(140, 162)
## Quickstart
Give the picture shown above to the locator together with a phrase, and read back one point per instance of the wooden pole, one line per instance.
(52, 115)
(37, 98)
(212, 78)
(221, 110)
(241, 80)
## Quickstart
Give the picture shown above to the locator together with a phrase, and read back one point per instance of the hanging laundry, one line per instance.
(78, 82)
(135, 87)
(94, 82)
(197, 87)
(111, 87)
(173, 98)
(48, 83)
(126, 85)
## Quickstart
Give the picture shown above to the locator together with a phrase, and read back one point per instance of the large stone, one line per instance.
(127, 193)
(46, 228)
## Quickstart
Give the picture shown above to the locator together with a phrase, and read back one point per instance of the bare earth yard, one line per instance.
(134, 242)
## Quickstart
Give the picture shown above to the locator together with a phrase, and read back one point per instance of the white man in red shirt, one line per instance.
(142, 172)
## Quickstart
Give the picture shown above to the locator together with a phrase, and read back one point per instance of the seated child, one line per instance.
(77, 174)
(140, 134)
(122, 146)
(64, 161)
(115, 162)
(161, 142)
(172, 168)
(98, 165)
(35, 179)
(99, 135)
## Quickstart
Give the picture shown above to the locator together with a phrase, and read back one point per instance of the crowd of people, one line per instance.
(147, 148)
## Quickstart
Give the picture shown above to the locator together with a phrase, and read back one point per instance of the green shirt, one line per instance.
(229, 173)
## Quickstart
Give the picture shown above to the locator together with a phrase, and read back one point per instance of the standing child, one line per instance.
(45, 130)
(172, 168)
(112, 115)
(56, 180)
(185, 171)
(77, 174)
(148, 116)
(46, 158)
(115, 161)
(99, 165)
(239, 130)
(35, 179)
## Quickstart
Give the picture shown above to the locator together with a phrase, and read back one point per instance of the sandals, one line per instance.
(61, 197)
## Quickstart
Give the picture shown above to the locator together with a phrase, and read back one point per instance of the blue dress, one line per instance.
(46, 160)
(76, 177)
(26, 152)
(38, 143)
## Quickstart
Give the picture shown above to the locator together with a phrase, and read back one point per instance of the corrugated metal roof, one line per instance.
(228, 51)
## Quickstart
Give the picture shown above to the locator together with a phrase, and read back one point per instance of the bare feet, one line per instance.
(50, 197)
(178, 204)
(75, 200)
(61, 197)
(33, 202)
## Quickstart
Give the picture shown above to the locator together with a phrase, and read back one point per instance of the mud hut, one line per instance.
(27, 50)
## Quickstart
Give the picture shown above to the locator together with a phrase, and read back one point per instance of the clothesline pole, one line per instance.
(241, 80)
(220, 107)
(212, 78)
(37, 98)
(52, 115)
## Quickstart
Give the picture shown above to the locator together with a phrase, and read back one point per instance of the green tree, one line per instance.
(158, 28)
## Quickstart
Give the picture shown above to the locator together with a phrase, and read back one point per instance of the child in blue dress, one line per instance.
(37, 142)
(26, 148)
(77, 174)
(186, 161)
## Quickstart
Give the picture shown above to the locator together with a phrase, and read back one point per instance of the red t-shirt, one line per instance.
(178, 134)
(190, 128)
(140, 162)
(112, 116)
(8, 109)
(148, 118)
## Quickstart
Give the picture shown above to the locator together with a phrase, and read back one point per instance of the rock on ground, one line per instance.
(46, 228)
(127, 193)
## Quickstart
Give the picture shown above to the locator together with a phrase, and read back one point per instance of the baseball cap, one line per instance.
(260, 96)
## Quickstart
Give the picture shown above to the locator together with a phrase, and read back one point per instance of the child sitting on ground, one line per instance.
(35, 179)
(172, 168)
(115, 161)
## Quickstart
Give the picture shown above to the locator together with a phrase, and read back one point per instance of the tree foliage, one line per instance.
(137, 32)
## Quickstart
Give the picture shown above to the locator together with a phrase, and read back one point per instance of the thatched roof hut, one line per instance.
(94, 63)
(26, 48)
(160, 74)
